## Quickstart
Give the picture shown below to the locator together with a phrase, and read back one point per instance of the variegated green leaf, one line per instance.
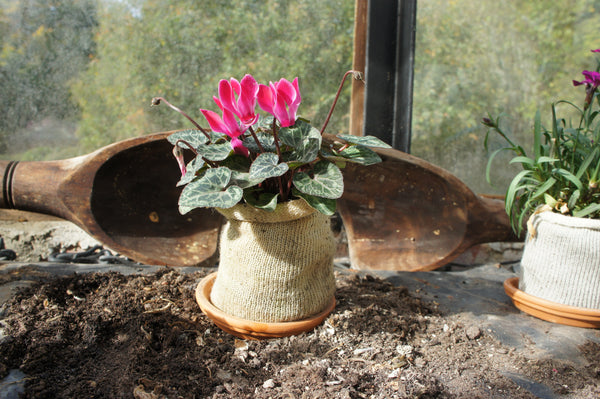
(326, 181)
(191, 169)
(266, 140)
(305, 141)
(361, 155)
(326, 206)
(211, 190)
(368, 141)
(243, 179)
(266, 201)
(267, 165)
(194, 137)
(215, 152)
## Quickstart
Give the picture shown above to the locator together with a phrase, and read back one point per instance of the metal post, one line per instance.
(389, 71)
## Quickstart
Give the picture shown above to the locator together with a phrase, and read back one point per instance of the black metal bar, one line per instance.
(389, 71)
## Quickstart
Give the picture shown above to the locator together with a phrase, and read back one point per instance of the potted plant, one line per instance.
(556, 196)
(276, 181)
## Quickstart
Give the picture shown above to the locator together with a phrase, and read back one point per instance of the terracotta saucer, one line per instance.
(551, 311)
(247, 329)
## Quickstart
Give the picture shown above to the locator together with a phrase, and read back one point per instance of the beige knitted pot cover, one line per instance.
(561, 260)
(275, 266)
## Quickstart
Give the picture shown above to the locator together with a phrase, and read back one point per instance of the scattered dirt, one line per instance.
(114, 336)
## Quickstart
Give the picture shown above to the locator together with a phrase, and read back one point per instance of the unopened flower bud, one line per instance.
(488, 122)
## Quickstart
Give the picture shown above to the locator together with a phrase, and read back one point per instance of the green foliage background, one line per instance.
(78, 74)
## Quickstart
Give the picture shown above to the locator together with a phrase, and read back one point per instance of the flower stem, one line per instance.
(157, 100)
(260, 147)
(358, 76)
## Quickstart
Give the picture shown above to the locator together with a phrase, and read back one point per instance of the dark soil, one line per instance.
(115, 336)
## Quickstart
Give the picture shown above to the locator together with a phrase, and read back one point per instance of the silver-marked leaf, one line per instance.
(266, 201)
(266, 140)
(193, 136)
(360, 154)
(267, 165)
(243, 179)
(215, 152)
(305, 141)
(211, 190)
(191, 169)
(326, 206)
(369, 141)
(326, 181)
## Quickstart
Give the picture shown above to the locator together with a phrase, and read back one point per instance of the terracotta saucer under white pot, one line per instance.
(248, 329)
(551, 311)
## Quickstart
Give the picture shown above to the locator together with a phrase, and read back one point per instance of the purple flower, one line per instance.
(592, 78)
(595, 51)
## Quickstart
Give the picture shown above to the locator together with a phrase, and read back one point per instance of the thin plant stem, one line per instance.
(157, 101)
(358, 76)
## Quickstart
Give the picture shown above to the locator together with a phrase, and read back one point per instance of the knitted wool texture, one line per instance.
(274, 266)
(561, 260)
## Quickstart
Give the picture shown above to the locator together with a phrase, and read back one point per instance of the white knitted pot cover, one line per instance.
(561, 260)
(275, 266)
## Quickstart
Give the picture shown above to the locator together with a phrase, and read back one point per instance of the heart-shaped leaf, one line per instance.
(266, 140)
(211, 190)
(360, 154)
(326, 181)
(191, 169)
(326, 206)
(267, 165)
(369, 141)
(305, 141)
(266, 201)
(215, 152)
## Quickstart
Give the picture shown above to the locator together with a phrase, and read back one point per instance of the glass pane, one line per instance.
(475, 57)
(76, 75)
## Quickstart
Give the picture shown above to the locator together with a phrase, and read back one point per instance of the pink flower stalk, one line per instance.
(281, 100)
(227, 125)
(243, 107)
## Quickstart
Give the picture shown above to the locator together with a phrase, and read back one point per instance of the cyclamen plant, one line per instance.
(262, 160)
(562, 173)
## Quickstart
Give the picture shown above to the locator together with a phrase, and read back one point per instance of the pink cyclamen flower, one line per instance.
(592, 78)
(227, 125)
(243, 107)
(595, 51)
(280, 99)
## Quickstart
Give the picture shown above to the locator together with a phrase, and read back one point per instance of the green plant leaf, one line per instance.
(586, 163)
(243, 179)
(544, 187)
(304, 140)
(193, 136)
(266, 201)
(326, 181)
(267, 165)
(215, 152)
(266, 140)
(549, 200)
(361, 155)
(368, 141)
(573, 199)
(191, 169)
(211, 190)
(326, 206)
(569, 176)
(588, 210)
